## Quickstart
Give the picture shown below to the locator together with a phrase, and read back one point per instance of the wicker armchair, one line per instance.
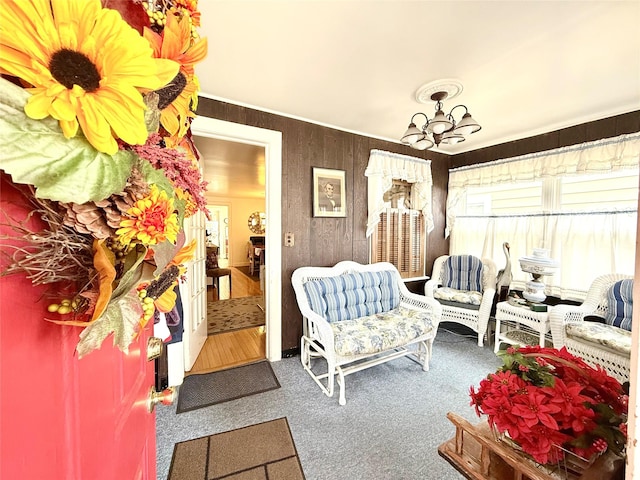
(593, 346)
(476, 317)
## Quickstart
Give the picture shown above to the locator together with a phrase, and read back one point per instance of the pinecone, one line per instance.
(86, 218)
(102, 218)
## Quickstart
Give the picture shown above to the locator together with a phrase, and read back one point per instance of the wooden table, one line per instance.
(477, 455)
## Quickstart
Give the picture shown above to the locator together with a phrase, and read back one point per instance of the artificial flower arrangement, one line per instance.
(549, 401)
(96, 102)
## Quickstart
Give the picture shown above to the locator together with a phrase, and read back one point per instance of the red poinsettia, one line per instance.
(547, 400)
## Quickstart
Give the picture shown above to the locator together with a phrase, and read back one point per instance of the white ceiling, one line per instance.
(527, 67)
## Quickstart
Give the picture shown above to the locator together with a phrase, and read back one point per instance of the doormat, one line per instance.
(234, 314)
(206, 389)
(257, 452)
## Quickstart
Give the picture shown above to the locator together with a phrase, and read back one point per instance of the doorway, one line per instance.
(271, 141)
(235, 315)
(217, 229)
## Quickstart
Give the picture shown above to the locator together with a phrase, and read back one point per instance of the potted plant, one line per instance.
(551, 404)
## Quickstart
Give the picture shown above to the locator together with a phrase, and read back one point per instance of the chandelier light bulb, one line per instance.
(439, 123)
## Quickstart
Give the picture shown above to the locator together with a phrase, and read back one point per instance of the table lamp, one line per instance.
(538, 265)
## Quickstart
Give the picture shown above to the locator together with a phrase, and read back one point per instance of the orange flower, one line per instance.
(176, 43)
(152, 220)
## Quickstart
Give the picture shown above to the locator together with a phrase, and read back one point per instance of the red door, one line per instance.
(61, 417)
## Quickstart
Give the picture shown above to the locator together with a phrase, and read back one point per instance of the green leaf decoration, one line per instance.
(121, 317)
(164, 252)
(153, 175)
(133, 274)
(36, 152)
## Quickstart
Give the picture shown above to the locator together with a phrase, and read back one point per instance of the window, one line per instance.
(579, 202)
(399, 210)
(611, 191)
(399, 237)
(591, 192)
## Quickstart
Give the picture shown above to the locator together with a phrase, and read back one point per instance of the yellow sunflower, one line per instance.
(150, 221)
(87, 67)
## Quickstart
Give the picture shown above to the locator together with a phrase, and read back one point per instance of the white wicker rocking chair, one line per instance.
(617, 364)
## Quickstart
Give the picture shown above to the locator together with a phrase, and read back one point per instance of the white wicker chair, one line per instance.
(477, 320)
(595, 303)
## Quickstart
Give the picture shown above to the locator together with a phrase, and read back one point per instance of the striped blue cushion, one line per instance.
(620, 304)
(462, 272)
(353, 295)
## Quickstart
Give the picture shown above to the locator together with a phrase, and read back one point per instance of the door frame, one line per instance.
(271, 140)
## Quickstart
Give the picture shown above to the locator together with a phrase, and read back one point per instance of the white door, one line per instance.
(194, 293)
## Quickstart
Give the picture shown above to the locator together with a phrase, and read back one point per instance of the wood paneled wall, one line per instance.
(326, 241)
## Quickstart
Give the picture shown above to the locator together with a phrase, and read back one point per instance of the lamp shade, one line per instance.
(412, 135)
(451, 138)
(422, 144)
(439, 124)
(467, 125)
(539, 263)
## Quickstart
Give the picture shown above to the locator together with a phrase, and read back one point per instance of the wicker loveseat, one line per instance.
(356, 316)
(597, 343)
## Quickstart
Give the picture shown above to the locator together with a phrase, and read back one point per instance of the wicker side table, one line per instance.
(519, 325)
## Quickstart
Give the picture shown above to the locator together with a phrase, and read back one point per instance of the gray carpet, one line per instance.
(390, 428)
(206, 389)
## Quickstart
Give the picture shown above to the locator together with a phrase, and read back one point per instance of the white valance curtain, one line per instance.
(382, 169)
(604, 155)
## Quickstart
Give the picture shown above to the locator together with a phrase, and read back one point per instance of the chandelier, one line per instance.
(441, 128)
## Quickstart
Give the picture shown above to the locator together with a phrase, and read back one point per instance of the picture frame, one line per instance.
(329, 193)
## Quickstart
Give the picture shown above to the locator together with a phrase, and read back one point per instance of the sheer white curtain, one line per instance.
(586, 244)
(382, 169)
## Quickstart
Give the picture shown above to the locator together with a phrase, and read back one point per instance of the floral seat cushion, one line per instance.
(379, 332)
(465, 297)
(612, 338)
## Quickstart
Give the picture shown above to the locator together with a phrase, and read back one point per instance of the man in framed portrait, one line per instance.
(328, 201)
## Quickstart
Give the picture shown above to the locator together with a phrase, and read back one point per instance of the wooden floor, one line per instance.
(231, 349)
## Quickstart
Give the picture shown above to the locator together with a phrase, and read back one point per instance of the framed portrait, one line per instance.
(329, 193)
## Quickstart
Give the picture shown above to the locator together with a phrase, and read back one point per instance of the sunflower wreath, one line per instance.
(96, 102)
